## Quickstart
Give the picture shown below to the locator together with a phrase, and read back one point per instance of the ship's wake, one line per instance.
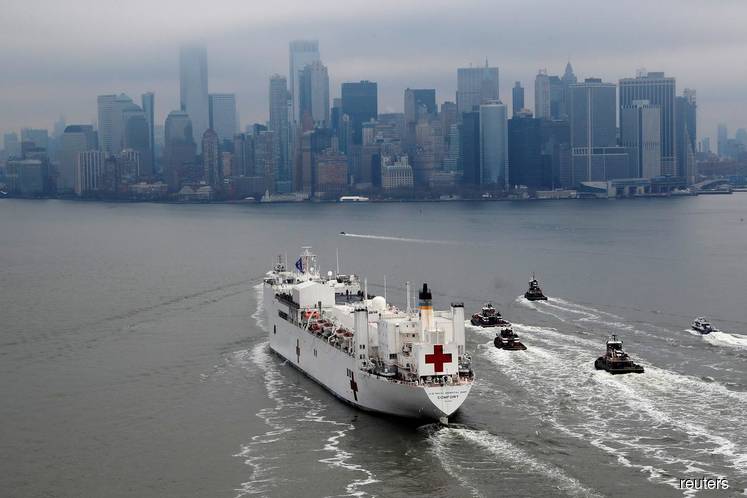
(661, 423)
(401, 239)
(723, 339)
(293, 411)
(479, 459)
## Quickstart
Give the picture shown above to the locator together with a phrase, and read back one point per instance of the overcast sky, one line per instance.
(56, 57)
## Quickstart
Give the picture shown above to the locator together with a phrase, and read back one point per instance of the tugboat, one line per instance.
(488, 317)
(615, 360)
(702, 325)
(534, 293)
(509, 340)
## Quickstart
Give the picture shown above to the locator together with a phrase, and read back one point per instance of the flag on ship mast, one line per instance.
(299, 265)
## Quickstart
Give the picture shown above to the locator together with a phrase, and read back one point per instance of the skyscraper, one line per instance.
(11, 145)
(595, 155)
(105, 104)
(418, 103)
(568, 79)
(687, 135)
(301, 54)
(36, 136)
(360, 103)
(640, 123)
(193, 87)
(114, 111)
(517, 98)
(493, 144)
(469, 147)
(280, 140)
(89, 171)
(527, 164)
(179, 150)
(148, 101)
(223, 119)
(75, 139)
(659, 91)
(722, 137)
(475, 85)
(211, 163)
(314, 95)
(542, 95)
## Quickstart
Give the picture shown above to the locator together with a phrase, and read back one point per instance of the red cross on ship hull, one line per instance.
(438, 358)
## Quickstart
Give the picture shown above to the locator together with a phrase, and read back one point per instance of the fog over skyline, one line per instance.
(57, 57)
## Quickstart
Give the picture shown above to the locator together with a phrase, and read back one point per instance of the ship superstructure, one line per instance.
(369, 353)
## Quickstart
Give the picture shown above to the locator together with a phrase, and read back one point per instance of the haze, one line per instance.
(56, 57)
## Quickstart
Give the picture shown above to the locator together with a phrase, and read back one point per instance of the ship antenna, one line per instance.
(407, 291)
(337, 256)
(365, 288)
(384, 288)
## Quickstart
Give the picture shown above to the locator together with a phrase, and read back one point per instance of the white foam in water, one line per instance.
(703, 418)
(720, 338)
(258, 314)
(283, 418)
(516, 459)
(567, 311)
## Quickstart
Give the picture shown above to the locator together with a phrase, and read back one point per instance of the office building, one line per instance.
(517, 98)
(38, 137)
(212, 167)
(527, 165)
(396, 173)
(542, 95)
(280, 126)
(419, 103)
(331, 172)
(660, 91)
(360, 104)
(593, 130)
(314, 96)
(640, 123)
(469, 147)
(193, 87)
(27, 176)
(493, 144)
(180, 151)
(687, 135)
(722, 137)
(476, 85)
(302, 53)
(148, 103)
(74, 140)
(89, 176)
(223, 117)
(11, 145)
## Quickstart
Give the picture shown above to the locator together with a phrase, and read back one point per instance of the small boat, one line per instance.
(509, 340)
(615, 360)
(534, 293)
(488, 317)
(702, 325)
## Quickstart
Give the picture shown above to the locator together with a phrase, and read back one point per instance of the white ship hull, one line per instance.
(336, 371)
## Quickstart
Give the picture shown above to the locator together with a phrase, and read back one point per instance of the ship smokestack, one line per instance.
(425, 304)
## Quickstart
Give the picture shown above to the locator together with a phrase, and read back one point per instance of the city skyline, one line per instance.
(243, 53)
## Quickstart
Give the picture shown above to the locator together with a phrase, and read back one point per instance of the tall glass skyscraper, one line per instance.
(494, 143)
(475, 85)
(223, 116)
(193, 88)
(660, 91)
(360, 103)
(302, 53)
